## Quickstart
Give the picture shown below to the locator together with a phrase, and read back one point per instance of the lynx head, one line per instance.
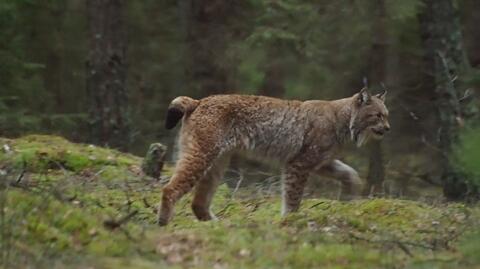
(369, 117)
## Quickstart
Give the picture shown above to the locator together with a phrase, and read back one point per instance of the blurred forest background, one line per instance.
(104, 72)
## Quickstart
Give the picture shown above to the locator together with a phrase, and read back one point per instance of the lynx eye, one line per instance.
(377, 115)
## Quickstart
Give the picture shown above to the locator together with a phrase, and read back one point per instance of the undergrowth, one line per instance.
(66, 205)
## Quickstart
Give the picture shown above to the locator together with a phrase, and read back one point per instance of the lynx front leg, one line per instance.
(352, 184)
(294, 181)
(206, 189)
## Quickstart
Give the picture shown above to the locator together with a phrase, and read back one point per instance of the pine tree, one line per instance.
(106, 74)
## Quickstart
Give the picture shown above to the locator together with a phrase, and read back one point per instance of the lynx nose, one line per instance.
(387, 128)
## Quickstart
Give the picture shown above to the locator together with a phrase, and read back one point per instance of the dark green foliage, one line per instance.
(322, 50)
(444, 58)
(466, 156)
(41, 68)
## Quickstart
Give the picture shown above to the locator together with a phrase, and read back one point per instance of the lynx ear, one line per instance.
(382, 95)
(363, 97)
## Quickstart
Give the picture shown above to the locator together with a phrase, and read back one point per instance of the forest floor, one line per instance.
(67, 205)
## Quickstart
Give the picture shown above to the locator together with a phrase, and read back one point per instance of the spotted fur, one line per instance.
(305, 136)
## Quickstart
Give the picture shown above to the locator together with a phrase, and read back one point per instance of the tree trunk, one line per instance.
(377, 75)
(211, 25)
(273, 83)
(207, 37)
(53, 72)
(106, 74)
(444, 59)
(471, 31)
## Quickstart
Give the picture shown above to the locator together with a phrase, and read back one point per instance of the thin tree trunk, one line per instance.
(273, 83)
(106, 74)
(207, 37)
(377, 75)
(211, 25)
(52, 79)
(444, 59)
(471, 31)
(53, 69)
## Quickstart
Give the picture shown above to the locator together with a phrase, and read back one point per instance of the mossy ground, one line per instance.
(64, 210)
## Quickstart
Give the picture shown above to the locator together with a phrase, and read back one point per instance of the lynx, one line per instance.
(305, 136)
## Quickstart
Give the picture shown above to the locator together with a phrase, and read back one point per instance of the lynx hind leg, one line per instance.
(206, 188)
(294, 180)
(189, 170)
(352, 184)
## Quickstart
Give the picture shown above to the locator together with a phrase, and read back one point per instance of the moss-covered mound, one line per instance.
(66, 205)
(40, 153)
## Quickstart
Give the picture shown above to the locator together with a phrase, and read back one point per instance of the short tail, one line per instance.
(180, 106)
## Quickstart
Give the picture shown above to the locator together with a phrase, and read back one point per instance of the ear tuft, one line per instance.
(363, 96)
(382, 95)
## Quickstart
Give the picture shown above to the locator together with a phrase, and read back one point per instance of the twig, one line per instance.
(146, 203)
(127, 191)
(237, 186)
(431, 146)
(467, 96)
(97, 203)
(317, 204)
(20, 176)
(232, 196)
(404, 248)
(400, 244)
(114, 224)
(410, 113)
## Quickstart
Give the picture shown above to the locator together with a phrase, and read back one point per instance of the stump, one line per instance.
(153, 163)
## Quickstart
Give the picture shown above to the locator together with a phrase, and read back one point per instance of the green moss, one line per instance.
(45, 222)
(41, 152)
(60, 218)
(108, 246)
(469, 244)
(470, 247)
